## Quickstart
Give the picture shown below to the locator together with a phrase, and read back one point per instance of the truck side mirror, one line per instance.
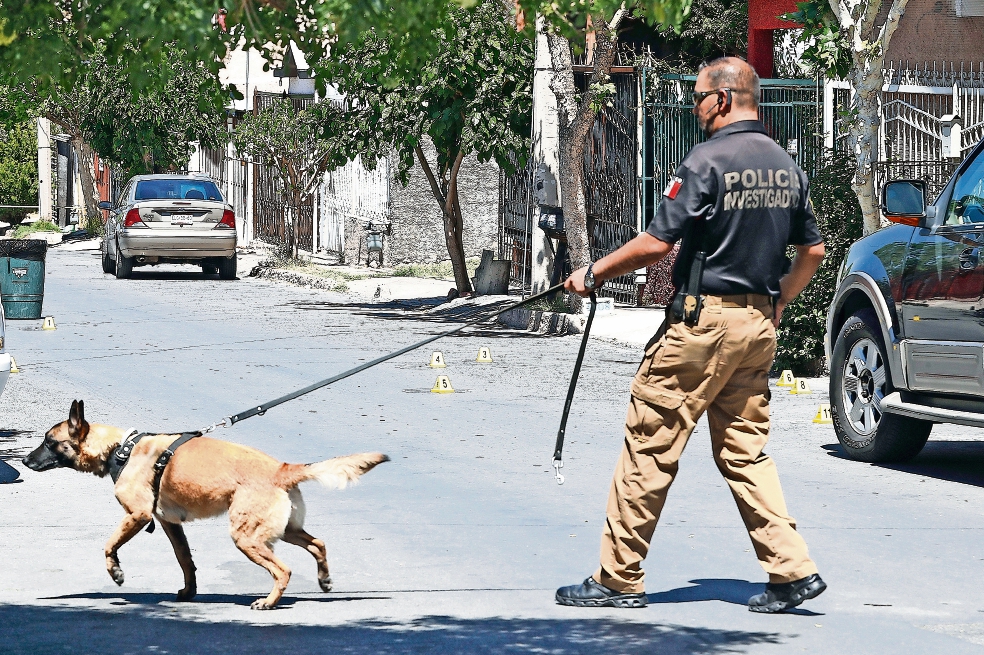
(904, 201)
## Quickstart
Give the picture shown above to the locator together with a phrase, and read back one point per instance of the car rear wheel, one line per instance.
(208, 268)
(107, 263)
(124, 264)
(859, 380)
(227, 268)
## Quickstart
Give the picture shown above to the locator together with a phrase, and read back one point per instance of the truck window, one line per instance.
(967, 202)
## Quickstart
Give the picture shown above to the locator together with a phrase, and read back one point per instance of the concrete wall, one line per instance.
(416, 233)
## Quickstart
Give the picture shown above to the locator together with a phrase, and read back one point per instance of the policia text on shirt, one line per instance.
(761, 189)
(737, 201)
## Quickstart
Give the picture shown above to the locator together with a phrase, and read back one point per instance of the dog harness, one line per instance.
(121, 455)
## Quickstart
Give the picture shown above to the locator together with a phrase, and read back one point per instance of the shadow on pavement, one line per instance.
(142, 628)
(736, 592)
(953, 461)
(244, 600)
(403, 310)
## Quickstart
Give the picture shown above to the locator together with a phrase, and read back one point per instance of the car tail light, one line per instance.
(228, 220)
(132, 219)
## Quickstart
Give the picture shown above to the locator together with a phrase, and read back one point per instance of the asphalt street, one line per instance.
(458, 543)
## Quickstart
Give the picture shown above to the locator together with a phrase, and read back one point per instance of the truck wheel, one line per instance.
(859, 380)
(107, 263)
(227, 268)
(124, 264)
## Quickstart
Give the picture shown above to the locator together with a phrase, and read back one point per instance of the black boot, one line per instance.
(593, 594)
(781, 597)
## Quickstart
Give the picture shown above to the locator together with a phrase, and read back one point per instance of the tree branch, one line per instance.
(441, 200)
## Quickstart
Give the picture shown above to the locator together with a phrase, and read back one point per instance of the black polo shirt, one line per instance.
(754, 200)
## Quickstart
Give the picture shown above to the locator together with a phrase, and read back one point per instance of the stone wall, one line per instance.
(416, 233)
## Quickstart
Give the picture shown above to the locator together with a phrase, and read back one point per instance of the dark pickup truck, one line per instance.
(905, 332)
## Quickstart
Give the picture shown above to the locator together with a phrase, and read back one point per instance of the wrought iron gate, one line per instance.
(789, 109)
(610, 157)
(269, 208)
(516, 212)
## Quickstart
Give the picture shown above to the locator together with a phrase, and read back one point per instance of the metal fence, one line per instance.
(918, 106)
(789, 109)
(610, 157)
(516, 215)
(269, 207)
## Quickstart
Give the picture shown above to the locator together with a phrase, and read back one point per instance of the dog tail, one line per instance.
(335, 473)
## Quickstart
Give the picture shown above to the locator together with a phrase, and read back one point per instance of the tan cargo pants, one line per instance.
(720, 366)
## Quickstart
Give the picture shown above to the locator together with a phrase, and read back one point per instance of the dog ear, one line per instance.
(76, 420)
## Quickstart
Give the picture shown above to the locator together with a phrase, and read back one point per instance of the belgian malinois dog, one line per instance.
(205, 477)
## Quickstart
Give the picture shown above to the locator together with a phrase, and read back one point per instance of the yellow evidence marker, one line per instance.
(442, 385)
(801, 387)
(484, 355)
(49, 323)
(785, 379)
(823, 415)
(437, 360)
(13, 365)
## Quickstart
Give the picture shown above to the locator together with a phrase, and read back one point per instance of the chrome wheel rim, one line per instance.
(864, 386)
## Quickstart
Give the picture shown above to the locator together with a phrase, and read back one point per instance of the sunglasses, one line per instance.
(699, 96)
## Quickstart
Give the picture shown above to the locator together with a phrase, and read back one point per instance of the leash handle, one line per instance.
(558, 456)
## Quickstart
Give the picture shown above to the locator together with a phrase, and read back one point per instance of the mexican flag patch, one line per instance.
(673, 188)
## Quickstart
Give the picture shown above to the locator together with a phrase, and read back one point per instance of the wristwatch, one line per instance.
(589, 279)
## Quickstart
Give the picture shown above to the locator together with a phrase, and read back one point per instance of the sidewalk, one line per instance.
(632, 326)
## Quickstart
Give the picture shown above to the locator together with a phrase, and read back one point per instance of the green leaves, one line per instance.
(18, 168)
(472, 95)
(828, 50)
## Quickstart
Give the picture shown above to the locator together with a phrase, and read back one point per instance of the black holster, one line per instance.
(688, 302)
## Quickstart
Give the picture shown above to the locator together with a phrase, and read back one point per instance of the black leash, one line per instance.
(259, 410)
(558, 461)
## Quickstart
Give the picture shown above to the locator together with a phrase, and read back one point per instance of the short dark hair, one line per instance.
(737, 75)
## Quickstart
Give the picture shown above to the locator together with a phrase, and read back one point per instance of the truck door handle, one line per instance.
(969, 259)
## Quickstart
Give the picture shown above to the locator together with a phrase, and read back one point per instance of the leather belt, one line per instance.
(743, 300)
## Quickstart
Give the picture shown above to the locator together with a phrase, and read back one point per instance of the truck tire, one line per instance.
(227, 268)
(124, 264)
(859, 379)
(107, 263)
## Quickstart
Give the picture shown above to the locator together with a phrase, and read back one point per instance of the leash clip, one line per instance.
(558, 464)
(224, 423)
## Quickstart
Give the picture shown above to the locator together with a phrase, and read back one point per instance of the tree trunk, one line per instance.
(863, 138)
(577, 113)
(85, 157)
(869, 43)
(455, 235)
(453, 223)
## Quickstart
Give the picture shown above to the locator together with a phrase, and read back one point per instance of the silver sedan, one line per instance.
(173, 219)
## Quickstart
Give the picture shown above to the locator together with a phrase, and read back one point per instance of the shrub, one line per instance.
(26, 229)
(800, 336)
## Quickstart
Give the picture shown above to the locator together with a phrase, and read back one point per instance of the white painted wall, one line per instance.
(44, 168)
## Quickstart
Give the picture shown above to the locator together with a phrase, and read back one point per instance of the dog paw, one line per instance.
(116, 573)
(186, 594)
(261, 604)
(325, 584)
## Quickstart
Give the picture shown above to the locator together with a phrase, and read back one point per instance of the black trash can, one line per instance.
(22, 277)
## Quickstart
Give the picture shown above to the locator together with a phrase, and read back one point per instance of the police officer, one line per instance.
(737, 201)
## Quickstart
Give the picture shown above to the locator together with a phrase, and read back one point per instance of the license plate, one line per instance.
(182, 219)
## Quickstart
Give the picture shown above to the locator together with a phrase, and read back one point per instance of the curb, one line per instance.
(292, 277)
(541, 322)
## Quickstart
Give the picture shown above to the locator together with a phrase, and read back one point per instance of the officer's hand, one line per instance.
(777, 314)
(575, 283)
